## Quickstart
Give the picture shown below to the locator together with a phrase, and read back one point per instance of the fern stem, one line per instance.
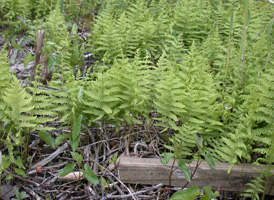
(266, 181)
(228, 57)
(241, 176)
(194, 172)
(171, 172)
(229, 180)
(242, 53)
(27, 147)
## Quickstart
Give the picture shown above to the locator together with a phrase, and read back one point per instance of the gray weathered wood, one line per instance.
(152, 171)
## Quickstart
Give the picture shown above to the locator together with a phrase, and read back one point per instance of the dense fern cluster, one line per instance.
(204, 68)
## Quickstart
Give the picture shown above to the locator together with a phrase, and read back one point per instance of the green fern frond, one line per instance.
(19, 103)
(256, 187)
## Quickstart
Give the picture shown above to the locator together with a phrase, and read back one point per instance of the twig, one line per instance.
(136, 146)
(51, 157)
(116, 186)
(109, 172)
(30, 191)
(49, 167)
(95, 166)
(135, 193)
(21, 178)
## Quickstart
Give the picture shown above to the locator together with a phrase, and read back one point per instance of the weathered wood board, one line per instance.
(151, 171)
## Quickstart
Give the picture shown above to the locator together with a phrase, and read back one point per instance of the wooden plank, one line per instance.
(151, 172)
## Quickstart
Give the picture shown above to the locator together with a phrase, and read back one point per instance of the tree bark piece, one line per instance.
(151, 172)
(39, 45)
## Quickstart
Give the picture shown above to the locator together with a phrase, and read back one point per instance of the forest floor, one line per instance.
(99, 146)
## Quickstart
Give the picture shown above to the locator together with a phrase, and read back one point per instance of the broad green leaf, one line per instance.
(74, 29)
(182, 166)
(77, 157)
(47, 138)
(199, 141)
(51, 62)
(90, 175)
(209, 194)
(67, 169)
(205, 197)
(210, 161)
(16, 46)
(20, 172)
(18, 161)
(8, 177)
(166, 158)
(75, 136)
(60, 138)
(28, 58)
(189, 194)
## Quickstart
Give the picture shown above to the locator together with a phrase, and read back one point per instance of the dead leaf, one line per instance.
(71, 176)
(7, 192)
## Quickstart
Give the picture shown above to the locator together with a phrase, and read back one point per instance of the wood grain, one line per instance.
(151, 172)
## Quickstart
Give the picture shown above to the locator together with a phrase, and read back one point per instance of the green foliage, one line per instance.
(90, 175)
(46, 137)
(200, 70)
(4, 81)
(20, 195)
(255, 188)
(15, 8)
(18, 102)
(190, 193)
(67, 169)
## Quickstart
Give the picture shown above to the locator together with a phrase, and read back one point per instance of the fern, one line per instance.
(255, 188)
(41, 8)
(42, 105)
(15, 8)
(184, 104)
(4, 81)
(99, 99)
(19, 103)
(130, 80)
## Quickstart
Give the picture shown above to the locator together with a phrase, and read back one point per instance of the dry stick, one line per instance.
(106, 170)
(116, 186)
(135, 193)
(39, 45)
(95, 166)
(51, 157)
(49, 167)
(22, 179)
(32, 193)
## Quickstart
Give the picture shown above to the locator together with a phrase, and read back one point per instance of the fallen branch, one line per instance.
(51, 157)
